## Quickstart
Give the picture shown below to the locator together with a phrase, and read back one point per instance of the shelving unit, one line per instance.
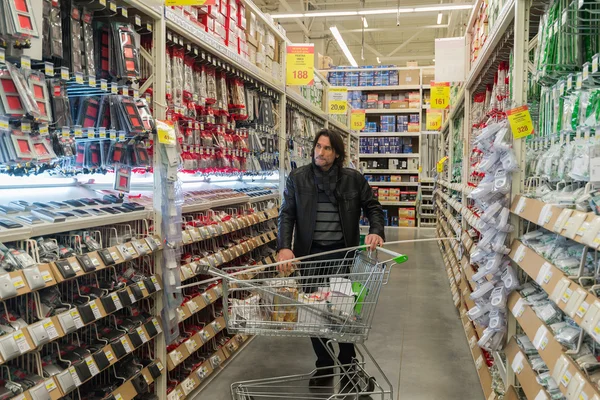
(416, 142)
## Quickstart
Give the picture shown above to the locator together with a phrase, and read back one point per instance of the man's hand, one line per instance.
(373, 241)
(285, 255)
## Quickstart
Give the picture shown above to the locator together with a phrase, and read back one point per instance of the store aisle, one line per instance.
(417, 336)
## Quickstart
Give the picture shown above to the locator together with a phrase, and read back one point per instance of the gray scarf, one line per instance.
(326, 181)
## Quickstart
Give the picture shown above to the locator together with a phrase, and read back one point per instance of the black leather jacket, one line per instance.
(299, 209)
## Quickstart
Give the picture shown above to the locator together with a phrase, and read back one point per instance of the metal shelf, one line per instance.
(503, 21)
(398, 203)
(49, 228)
(192, 32)
(390, 155)
(297, 98)
(390, 134)
(391, 171)
(392, 111)
(395, 184)
(375, 88)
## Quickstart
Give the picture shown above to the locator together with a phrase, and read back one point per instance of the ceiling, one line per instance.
(412, 40)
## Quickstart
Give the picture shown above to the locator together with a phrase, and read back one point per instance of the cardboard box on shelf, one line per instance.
(413, 163)
(428, 76)
(412, 64)
(407, 213)
(407, 222)
(414, 127)
(409, 77)
(396, 178)
(398, 104)
(394, 192)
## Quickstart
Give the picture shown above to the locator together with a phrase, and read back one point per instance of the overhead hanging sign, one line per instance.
(338, 100)
(357, 120)
(520, 121)
(440, 95)
(190, 2)
(300, 64)
(433, 120)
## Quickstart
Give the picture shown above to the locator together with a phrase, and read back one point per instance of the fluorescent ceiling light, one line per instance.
(385, 11)
(378, 60)
(289, 16)
(440, 16)
(330, 14)
(336, 34)
(365, 23)
(448, 7)
(381, 11)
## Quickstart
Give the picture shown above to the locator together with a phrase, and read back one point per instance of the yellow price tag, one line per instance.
(440, 95)
(440, 164)
(338, 100)
(357, 120)
(433, 120)
(520, 122)
(338, 107)
(166, 135)
(300, 61)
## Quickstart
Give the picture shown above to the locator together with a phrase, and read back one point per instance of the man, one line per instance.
(322, 205)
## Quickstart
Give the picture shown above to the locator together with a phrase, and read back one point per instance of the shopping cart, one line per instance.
(332, 299)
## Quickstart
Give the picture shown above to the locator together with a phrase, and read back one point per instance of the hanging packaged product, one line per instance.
(126, 45)
(72, 25)
(52, 45)
(18, 19)
(88, 43)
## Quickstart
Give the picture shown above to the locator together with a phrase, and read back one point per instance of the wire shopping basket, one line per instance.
(330, 298)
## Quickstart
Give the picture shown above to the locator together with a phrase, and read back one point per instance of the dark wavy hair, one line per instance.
(336, 142)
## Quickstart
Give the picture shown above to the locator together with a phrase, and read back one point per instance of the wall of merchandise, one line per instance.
(524, 270)
(138, 145)
(395, 100)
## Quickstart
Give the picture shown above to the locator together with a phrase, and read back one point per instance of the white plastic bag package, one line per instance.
(490, 213)
(509, 161)
(510, 279)
(501, 181)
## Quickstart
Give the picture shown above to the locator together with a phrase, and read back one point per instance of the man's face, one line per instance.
(324, 154)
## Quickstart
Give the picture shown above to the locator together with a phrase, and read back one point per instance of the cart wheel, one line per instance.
(371, 387)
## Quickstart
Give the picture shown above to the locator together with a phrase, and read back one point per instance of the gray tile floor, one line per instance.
(417, 336)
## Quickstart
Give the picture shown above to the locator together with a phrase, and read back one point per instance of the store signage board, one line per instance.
(357, 120)
(433, 120)
(189, 2)
(520, 122)
(338, 100)
(440, 95)
(300, 62)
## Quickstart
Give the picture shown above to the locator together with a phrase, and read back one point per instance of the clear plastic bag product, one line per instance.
(88, 43)
(509, 161)
(528, 289)
(580, 170)
(568, 336)
(510, 279)
(525, 344)
(538, 364)
(547, 312)
(479, 315)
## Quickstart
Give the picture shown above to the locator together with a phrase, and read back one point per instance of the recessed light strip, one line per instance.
(336, 34)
